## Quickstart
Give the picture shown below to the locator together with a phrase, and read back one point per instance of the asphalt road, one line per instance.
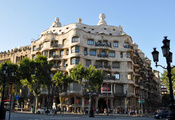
(29, 116)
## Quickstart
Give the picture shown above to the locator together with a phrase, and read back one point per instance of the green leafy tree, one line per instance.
(90, 78)
(165, 79)
(35, 74)
(11, 79)
(61, 81)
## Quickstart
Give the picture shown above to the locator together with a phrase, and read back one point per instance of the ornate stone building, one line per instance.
(128, 73)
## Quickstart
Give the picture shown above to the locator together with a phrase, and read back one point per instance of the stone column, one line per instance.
(125, 105)
(111, 103)
(82, 103)
(43, 102)
(75, 104)
(96, 102)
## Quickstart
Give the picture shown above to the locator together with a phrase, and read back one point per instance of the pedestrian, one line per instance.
(136, 112)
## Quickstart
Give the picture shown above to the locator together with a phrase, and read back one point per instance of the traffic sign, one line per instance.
(16, 97)
(141, 101)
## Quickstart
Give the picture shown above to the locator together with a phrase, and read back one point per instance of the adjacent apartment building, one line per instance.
(128, 73)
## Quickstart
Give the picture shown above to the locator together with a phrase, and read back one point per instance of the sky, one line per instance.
(146, 21)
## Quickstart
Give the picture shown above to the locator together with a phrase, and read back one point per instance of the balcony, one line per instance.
(102, 45)
(38, 49)
(101, 66)
(54, 56)
(55, 45)
(109, 78)
(98, 66)
(119, 95)
(104, 56)
(107, 66)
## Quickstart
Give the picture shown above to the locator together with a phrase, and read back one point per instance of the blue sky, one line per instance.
(146, 21)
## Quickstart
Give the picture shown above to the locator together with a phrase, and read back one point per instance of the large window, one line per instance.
(103, 53)
(93, 52)
(115, 44)
(111, 54)
(34, 48)
(65, 63)
(105, 43)
(85, 51)
(117, 76)
(129, 76)
(75, 49)
(126, 45)
(64, 41)
(88, 62)
(116, 65)
(67, 51)
(75, 61)
(45, 53)
(75, 39)
(90, 42)
(61, 52)
(121, 55)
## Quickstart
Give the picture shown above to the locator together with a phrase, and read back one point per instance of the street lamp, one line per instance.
(168, 55)
(2, 109)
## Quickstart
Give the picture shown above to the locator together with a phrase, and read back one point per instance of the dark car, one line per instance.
(164, 114)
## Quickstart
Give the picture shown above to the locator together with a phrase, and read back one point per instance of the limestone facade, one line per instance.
(128, 73)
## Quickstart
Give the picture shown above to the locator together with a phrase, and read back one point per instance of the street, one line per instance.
(29, 116)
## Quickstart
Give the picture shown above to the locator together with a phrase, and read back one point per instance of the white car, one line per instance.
(41, 110)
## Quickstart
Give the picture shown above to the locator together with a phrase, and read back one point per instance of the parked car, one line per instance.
(163, 114)
(41, 110)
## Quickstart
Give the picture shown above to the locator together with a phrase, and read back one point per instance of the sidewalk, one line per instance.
(96, 115)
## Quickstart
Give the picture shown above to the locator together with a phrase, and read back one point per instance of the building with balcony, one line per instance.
(128, 73)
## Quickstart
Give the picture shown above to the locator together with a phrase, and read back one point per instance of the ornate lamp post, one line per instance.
(168, 55)
(2, 109)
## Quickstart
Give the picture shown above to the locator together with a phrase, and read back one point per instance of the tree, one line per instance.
(11, 79)
(61, 81)
(34, 74)
(165, 79)
(92, 80)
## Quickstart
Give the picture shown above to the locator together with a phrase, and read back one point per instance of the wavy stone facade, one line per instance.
(128, 73)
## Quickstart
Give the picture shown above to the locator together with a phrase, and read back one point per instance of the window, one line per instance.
(116, 65)
(128, 55)
(115, 44)
(99, 42)
(117, 76)
(34, 48)
(75, 39)
(129, 65)
(90, 42)
(64, 40)
(65, 63)
(88, 62)
(53, 53)
(85, 51)
(75, 49)
(111, 54)
(61, 52)
(75, 61)
(34, 57)
(105, 43)
(103, 53)
(121, 55)
(54, 43)
(67, 51)
(126, 45)
(45, 53)
(93, 52)
(129, 76)
(59, 63)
